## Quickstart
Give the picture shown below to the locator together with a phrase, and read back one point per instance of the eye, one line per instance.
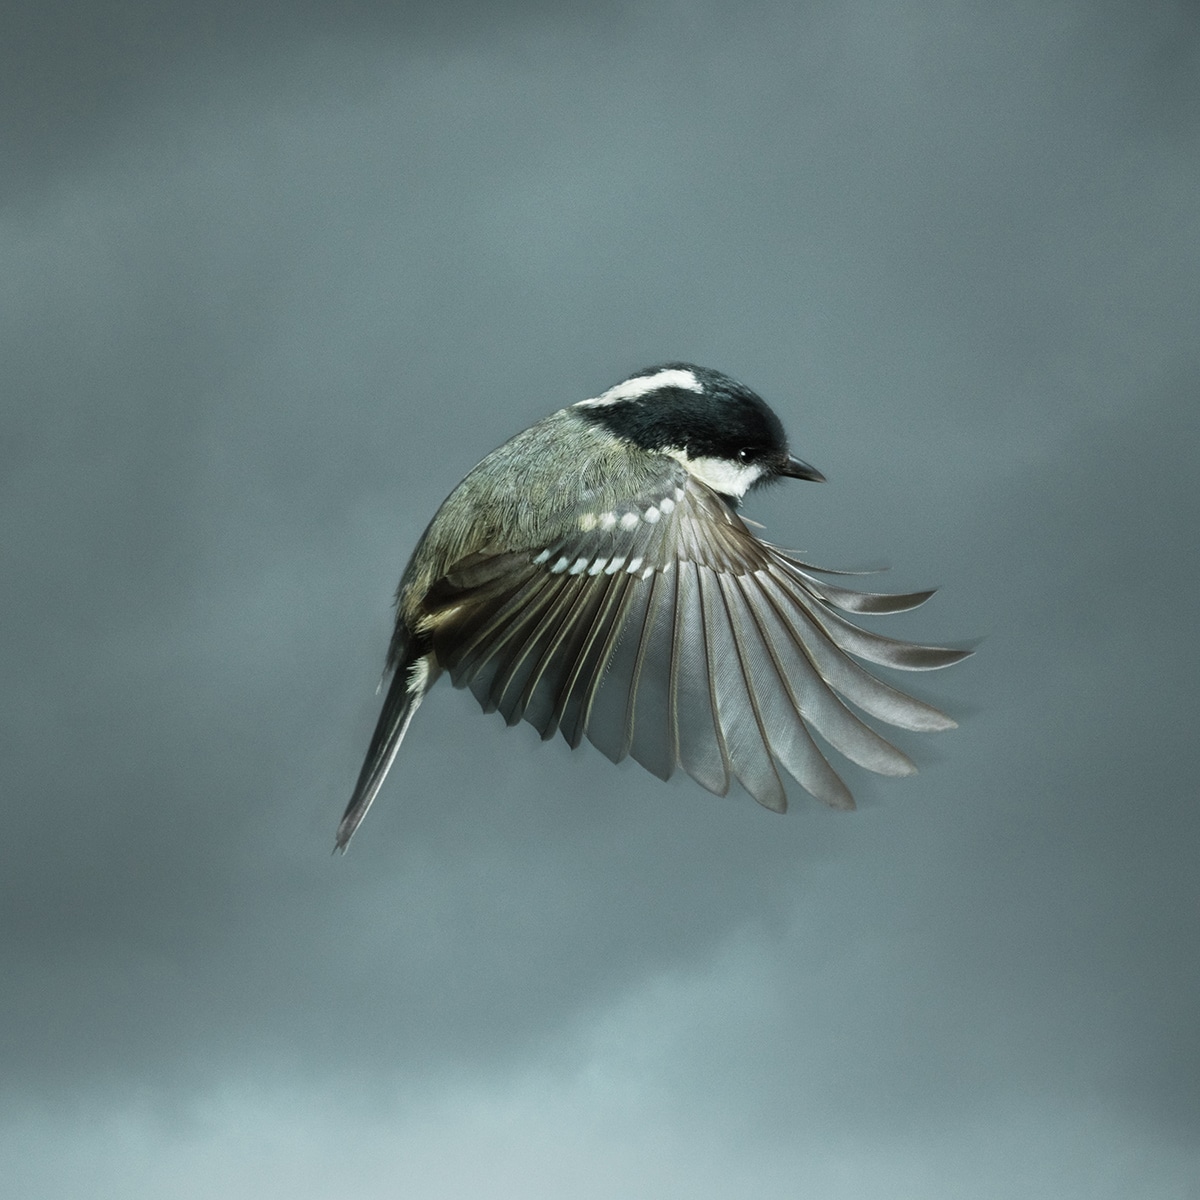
(745, 455)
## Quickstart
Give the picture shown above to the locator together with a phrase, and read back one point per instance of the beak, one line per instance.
(797, 468)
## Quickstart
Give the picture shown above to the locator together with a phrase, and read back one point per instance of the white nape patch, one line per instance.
(418, 676)
(643, 385)
(651, 515)
(629, 520)
(720, 474)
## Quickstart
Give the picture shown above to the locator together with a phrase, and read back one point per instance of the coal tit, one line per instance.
(592, 576)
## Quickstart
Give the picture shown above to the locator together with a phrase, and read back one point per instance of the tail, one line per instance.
(409, 684)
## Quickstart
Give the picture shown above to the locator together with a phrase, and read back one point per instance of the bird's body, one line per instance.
(592, 575)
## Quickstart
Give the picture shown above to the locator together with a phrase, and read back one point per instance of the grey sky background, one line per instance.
(273, 278)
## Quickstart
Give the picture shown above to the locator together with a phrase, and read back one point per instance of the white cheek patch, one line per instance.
(728, 478)
(643, 385)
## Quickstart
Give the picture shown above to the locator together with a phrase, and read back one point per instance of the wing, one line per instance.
(669, 632)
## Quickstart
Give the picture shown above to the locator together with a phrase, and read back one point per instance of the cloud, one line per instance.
(262, 310)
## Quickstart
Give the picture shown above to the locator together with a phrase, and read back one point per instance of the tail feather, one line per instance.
(405, 693)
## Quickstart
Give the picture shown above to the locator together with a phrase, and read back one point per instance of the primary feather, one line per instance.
(615, 594)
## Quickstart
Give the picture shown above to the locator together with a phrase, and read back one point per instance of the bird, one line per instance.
(593, 577)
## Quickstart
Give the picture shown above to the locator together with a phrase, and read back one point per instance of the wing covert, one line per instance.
(667, 631)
